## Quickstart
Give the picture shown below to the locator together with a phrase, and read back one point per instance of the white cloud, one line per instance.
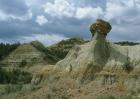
(114, 10)
(1, 41)
(59, 8)
(122, 10)
(46, 39)
(3, 16)
(63, 8)
(6, 17)
(90, 12)
(41, 20)
(124, 16)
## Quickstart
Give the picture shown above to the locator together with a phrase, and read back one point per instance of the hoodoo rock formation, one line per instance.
(96, 52)
(102, 61)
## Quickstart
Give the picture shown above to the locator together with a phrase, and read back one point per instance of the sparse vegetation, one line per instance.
(13, 88)
(128, 66)
(14, 76)
(124, 43)
(58, 51)
(115, 97)
(64, 97)
(38, 46)
(6, 49)
(23, 63)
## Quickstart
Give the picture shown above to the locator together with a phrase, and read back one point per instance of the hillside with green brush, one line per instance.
(23, 55)
(6, 49)
(58, 51)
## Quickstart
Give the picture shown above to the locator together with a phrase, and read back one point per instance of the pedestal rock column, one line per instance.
(100, 46)
(100, 49)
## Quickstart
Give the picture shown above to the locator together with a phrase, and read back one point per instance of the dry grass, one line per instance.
(66, 85)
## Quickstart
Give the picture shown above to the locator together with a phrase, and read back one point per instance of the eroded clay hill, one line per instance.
(102, 61)
(25, 54)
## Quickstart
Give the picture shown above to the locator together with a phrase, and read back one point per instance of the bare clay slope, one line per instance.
(104, 62)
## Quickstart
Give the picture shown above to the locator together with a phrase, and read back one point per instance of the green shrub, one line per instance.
(14, 76)
(125, 97)
(13, 88)
(6, 49)
(64, 97)
(106, 97)
(58, 51)
(23, 63)
(115, 97)
(128, 67)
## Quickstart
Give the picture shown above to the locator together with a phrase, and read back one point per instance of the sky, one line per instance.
(50, 21)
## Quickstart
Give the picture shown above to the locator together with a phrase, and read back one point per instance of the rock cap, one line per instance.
(100, 26)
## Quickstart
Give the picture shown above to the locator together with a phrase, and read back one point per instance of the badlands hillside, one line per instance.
(97, 69)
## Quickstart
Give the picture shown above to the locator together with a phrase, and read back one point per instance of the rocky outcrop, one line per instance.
(95, 53)
(102, 61)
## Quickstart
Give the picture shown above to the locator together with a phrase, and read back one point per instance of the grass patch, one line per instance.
(14, 76)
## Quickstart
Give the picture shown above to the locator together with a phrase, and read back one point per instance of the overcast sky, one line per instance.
(50, 21)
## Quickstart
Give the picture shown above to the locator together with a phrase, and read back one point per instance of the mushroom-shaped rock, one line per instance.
(101, 60)
(95, 53)
(100, 26)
